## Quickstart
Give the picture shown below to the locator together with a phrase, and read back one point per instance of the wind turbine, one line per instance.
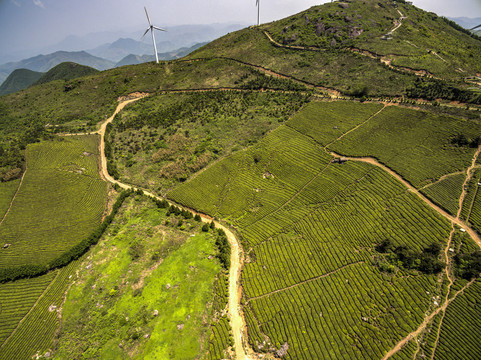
(474, 28)
(258, 4)
(151, 29)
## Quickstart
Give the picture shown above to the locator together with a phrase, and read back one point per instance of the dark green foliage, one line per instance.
(28, 271)
(205, 227)
(463, 140)
(433, 89)
(426, 261)
(197, 217)
(223, 246)
(212, 225)
(468, 266)
(136, 250)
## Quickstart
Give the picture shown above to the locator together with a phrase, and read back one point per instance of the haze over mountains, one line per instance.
(104, 50)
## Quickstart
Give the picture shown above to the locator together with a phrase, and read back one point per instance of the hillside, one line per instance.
(44, 63)
(372, 47)
(269, 196)
(18, 80)
(65, 71)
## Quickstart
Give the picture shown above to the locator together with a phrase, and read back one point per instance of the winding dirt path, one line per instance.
(411, 188)
(454, 221)
(235, 292)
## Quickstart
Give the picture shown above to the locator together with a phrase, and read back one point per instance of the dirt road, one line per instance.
(236, 319)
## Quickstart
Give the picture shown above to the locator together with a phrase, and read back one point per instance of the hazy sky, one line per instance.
(27, 24)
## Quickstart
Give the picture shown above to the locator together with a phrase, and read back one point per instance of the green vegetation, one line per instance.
(309, 236)
(345, 71)
(394, 257)
(460, 332)
(220, 339)
(446, 192)
(66, 71)
(327, 121)
(471, 212)
(38, 302)
(60, 202)
(7, 191)
(415, 144)
(416, 44)
(19, 79)
(438, 89)
(144, 291)
(162, 140)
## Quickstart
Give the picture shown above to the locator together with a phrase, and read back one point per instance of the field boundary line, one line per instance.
(426, 321)
(31, 309)
(356, 127)
(472, 203)
(444, 177)
(411, 188)
(304, 281)
(16, 192)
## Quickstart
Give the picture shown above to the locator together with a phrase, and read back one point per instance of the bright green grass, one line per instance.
(142, 265)
(7, 191)
(460, 332)
(415, 144)
(35, 335)
(327, 121)
(61, 200)
(446, 192)
(309, 227)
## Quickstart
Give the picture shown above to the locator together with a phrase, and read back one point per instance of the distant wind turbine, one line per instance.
(151, 29)
(474, 28)
(258, 4)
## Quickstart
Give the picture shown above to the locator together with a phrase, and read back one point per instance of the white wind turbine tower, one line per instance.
(151, 29)
(258, 4)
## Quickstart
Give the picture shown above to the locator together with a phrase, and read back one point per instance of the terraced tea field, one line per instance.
(7, 191)
(30, 316)
(313, 282)
(61, 200)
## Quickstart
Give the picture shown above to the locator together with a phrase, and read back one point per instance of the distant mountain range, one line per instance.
(177, 42)
(21, 79)
(467, 23)
(43, 63)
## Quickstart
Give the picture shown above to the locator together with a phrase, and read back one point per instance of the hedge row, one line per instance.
(29, 271)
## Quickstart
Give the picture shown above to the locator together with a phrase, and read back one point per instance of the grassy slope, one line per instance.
(142, 265)
(66, 71)
(164, 139)
(61, 200)
(420, 32)
(94, 97)
(341, 70)
(18, 80)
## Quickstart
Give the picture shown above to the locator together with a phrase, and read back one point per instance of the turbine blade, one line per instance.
(155, 27)
(257, 2)
(146, 31)
(475, 27)
(148, 18)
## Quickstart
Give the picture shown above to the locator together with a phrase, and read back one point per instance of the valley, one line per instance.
(294, 190)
